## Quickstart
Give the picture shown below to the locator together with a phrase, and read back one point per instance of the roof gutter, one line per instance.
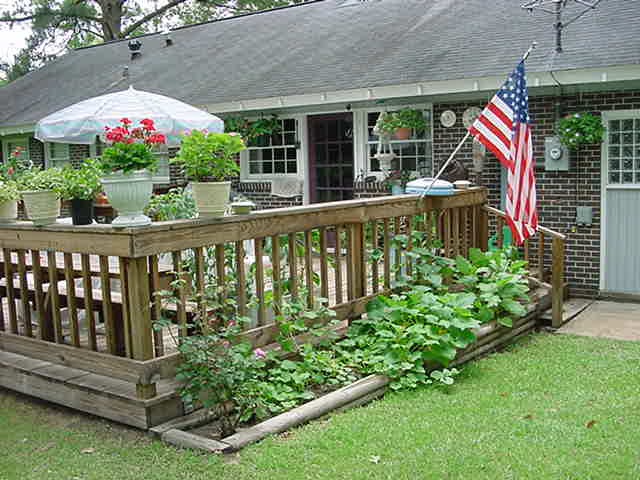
(17, 130)
(477, 85)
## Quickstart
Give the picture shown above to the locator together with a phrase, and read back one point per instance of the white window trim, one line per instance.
(607, 116)
(47, 154)
(5, 146)
(247, 177)
(365, 164)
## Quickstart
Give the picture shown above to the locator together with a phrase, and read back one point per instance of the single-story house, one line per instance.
(328, 68)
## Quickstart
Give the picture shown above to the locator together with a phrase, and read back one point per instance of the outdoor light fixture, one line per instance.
(556, 7)
(134, 48)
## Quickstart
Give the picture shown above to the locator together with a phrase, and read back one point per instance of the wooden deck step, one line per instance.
(95, 394)
(571, 308)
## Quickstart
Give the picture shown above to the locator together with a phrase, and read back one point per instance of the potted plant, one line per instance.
(128, 164)
(80, 186)
(399, 124)
(208, 159)
(39, 190)
(9, 173)
(8, 201)
(397, 180)
(256, 131)
(580, 129)
(408, 119)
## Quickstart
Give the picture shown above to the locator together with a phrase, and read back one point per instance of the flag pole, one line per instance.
(457, 149)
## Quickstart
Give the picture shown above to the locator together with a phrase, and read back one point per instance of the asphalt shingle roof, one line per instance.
(329, 45)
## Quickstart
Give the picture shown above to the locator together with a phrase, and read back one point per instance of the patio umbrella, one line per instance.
(81, 122)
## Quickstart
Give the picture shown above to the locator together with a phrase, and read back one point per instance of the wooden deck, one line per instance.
(77, 313)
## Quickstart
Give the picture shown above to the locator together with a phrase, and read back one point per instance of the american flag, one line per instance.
(504, 128)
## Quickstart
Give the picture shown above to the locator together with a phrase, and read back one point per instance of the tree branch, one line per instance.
(17, 19)
(131, 28)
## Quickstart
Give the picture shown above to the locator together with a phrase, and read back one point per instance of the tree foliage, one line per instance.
(59, 25)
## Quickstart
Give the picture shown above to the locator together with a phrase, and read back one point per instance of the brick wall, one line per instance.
(558, 192)
(36, 151)
(260, 194)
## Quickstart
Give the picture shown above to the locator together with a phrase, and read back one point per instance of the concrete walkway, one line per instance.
(617, 320)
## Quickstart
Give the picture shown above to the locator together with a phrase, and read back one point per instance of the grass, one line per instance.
(551, 407)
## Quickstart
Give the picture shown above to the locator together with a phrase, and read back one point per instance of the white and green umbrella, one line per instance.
(83, 121)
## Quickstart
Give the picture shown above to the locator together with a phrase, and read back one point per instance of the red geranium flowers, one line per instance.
(143, 134)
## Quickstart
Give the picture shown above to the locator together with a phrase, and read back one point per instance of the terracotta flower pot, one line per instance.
(402, 134)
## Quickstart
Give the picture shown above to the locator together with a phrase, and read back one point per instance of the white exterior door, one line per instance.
(620, 256)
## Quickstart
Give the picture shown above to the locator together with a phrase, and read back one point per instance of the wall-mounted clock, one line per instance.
(448, 118)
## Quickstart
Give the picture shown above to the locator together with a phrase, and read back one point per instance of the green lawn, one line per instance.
(552, 407)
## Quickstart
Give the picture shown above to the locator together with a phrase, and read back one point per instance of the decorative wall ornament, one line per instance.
(448, 118)
(469, 116)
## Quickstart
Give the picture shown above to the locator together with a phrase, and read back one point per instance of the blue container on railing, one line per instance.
(440, 187)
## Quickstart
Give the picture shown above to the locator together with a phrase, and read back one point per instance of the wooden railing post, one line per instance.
(557, 282)
(139, 303)
(483, 230)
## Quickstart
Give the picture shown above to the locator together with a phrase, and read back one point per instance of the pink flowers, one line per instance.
(259, 353)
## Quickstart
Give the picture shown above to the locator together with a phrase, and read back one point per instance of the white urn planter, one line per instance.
(42, 206)
(384, 160)
(129, 194)
(8, 211)
(211, 198)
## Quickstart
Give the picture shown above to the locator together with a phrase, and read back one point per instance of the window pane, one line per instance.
(279, 167)
(289, 138)
(291, 154)
(292, 167)
(614, 125)
(289, 125)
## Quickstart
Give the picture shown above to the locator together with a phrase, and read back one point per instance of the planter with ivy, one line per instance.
(400, 124)
(580, 129)
(128, 164)
(80, 187)
(208, 161)
(253, 132)
(8, 202)
(40, 191)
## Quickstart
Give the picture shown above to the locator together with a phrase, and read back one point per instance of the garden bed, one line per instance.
(198, 432)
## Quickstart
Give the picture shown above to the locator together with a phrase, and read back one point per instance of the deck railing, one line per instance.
(94, 288)
(546, 261)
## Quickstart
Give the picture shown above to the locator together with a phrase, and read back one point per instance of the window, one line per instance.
(414, 154)
(275, 154)
(623, 143)
(9, 146)
(57, 154)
